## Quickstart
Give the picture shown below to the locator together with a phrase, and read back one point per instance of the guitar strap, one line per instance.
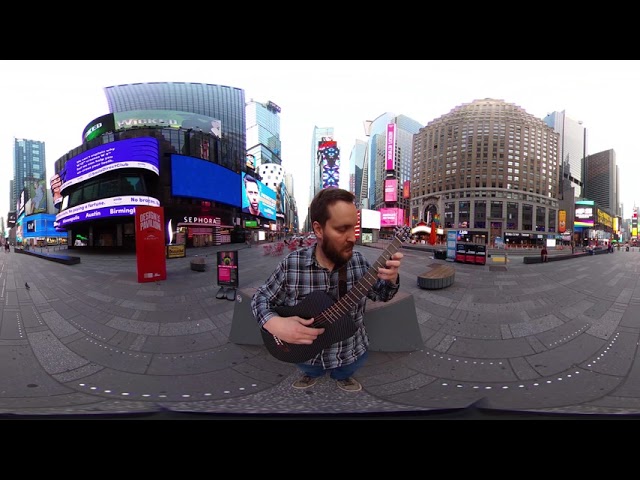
(342, 281)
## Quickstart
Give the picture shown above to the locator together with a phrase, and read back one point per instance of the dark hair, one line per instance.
(249, 178)
(319, 208)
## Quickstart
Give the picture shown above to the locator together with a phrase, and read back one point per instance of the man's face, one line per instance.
(338, 236)
(253, 195)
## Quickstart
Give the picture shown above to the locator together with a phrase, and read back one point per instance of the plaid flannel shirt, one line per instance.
(297, 276)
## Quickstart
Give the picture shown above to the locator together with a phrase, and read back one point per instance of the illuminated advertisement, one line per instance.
(104, 208)
(139, 152)
(390, 154)
(98, 127)
(20, 204)
(391, 217)
(562, 221)
(584, 216)
(634, 223)
(151, 118)
(55, 183)
(150, 244)
(228, 268)
(329, 159)
(370, 219)
(604, 218)
(406, 189)
(257, 199)
(390, 190)
(40, 225)
(37, 196)
(197, 178)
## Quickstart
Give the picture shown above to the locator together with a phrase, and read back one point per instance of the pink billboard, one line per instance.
(391, 146)
(391, 190)
(391, 217)
(406, 189)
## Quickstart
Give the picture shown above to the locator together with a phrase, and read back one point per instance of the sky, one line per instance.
(53, 100)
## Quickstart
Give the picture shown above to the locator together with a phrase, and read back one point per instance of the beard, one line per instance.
(338, 256)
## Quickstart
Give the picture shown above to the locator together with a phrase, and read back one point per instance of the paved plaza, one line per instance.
(560, 337)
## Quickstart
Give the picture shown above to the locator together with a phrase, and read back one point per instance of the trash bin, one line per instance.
(481, 254)
(440, 254)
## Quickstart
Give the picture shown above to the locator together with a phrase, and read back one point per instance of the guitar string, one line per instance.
(338, 309)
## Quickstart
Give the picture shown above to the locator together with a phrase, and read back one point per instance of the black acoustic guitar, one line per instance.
(327, 313)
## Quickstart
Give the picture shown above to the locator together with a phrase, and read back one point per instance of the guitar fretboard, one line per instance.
(360, 289)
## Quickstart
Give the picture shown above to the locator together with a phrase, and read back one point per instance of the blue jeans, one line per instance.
(338, 373)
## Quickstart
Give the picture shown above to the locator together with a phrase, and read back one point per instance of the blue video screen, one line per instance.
(197, 178)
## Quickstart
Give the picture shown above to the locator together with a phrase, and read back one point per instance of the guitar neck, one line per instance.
(362, 286)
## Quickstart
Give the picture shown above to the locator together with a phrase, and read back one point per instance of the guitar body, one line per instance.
(340, 328)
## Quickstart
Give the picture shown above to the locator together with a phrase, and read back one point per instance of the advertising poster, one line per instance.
(257, 198)
(452, 236)
(150, 244)
(228, 268)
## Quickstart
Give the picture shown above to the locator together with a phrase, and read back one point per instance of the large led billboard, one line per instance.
(141, 152)
(390, 190)
(37, 196)
(584, 213)
(391, 217)
(99, 126)
(406, 189)
(257, 199)
(562, 221)
(21, 203)
(55, 183)
(370, 219)
(329, 160)
(604, 218)
(151, 118)
(391, 146)
(122, 206)
(197, 178)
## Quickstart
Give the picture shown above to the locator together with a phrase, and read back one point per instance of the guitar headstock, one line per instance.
(402, 232)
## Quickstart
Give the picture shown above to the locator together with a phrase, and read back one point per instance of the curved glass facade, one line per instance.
(224, 103)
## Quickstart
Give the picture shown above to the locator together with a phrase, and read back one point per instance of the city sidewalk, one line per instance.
(85, 339)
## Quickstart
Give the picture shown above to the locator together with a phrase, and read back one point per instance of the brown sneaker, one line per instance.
(349, 384)
(305, 382)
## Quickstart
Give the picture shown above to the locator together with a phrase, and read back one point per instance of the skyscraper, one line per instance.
(264, 148)
(29, 172)
(601, 181)
(357, 171)
(491, 169)
(573, 149)
(263, 132)
(402, 144)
